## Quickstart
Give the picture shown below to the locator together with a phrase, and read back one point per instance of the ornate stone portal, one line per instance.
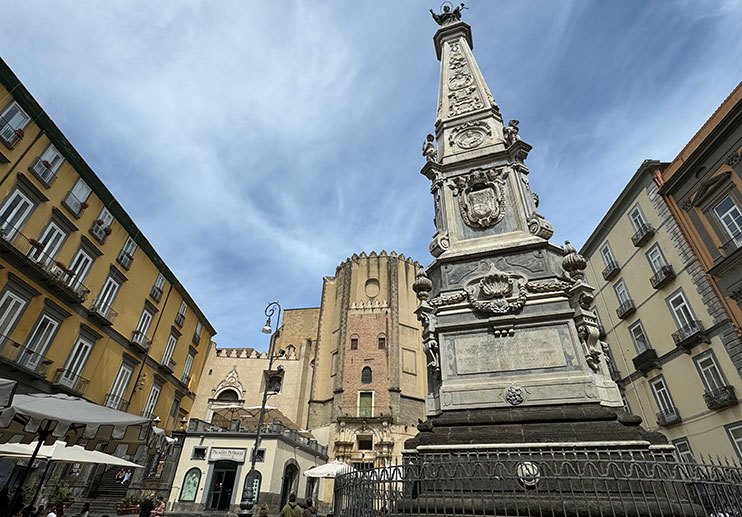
(512, 347)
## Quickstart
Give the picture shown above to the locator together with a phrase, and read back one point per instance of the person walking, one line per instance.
(159, 510)
(291, 509)
(85, 512)
(145, 509)
(310, 510)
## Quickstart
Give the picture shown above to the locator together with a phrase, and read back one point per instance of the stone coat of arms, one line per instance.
(481, 197)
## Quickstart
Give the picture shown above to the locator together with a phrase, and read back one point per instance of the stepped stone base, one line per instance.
(552, 424)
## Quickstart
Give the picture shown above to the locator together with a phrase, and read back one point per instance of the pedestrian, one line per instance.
(145, 509)
(4, 498)
(310, 510)
(127, 477)
(49, 510)
(120, 475)
(85, 512)
(263, 512)
(159, 508)
(291, 509)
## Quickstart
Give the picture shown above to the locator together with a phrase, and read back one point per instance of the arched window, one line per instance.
(228, 395)
(256, 481)
(190, 485)
(366, 375)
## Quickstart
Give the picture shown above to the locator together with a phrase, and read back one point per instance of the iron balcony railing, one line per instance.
(61, 279)
(124, 258)
(646, 361)
(690, 335)
(43, 170)
(72, 381)
(139, 339)
(103, 311)
(720, 398)
(168, 365)
(662, 277)
(196, 338)
(156, 293)
(185, 380)
(611, 270)
(626, 309)
(116, 402)
(10, 135)
(642, 235)
(541, 483)
(179, 319)
(668, 416)
(26, 359)
(732, 245)
(74, 204)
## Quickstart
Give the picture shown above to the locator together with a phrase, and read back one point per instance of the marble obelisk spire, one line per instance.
(510, 337)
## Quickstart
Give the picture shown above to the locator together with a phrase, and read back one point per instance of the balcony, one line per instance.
(9, 135)
(642, 235)
(116, 402)
(646, 361)
(71, 382)
(185, 380)
(196, 338)
(180, 319)
(662, 277)
(54, 273)
(74, 204)
(103, 312)
(626, 309)
(357, 414)
(731, 245)
(139, 341)
(669, 416)
(168, 366)
(720, 398)
(156, 293)
(43, 170)
(690, 335)
(611, 270)
(22, 358)
(124, 258)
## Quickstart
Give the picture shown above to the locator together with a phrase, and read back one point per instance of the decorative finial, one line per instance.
(429, 151)
(573, 263)
(448, 15)
(422, 286)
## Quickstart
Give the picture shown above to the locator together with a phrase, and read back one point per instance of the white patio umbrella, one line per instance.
(329, 470)
(7, 390)
(61, 452)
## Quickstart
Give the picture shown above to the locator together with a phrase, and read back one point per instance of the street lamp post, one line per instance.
(248, 497)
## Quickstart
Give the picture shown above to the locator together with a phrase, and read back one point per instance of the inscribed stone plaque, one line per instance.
(528, 348)
(237, 455)
(409, 361)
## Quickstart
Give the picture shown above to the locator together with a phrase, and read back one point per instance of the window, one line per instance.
(625, 401)
(169, 349)
(149, 407)
(274, 383)
(683, 450)
(46, 248)
(382, 342)
(11, 308)
(180, 317)
(731, 218)
(621, 292)
(102, 226)
(199, 453)
(174, 409)
(38, 342)
(366, 404)
(735, 435)
(12, 122)
(158, 288)
(641, 341)
(187, 368)
(681, 311)
(79, 266)
(656, 259)
(354, 343)
(365, 443)
(76, 362)
(366, 375)
(140, 333)
(197, 333)
(190, 484)
(260, 457)
(45, 166)
(607, 255)
(662, 396)
(127, 253)
(115, 398)
(710, 372)
(14, 212)
(106, 297)
(637, 219)
(77, 198)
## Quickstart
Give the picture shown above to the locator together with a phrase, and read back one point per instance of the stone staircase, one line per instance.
(105, 497)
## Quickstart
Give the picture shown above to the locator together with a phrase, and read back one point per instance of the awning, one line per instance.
(61, 452)
(329, 470)
(7, 390)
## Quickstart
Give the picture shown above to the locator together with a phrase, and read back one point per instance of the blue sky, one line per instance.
(258, 144)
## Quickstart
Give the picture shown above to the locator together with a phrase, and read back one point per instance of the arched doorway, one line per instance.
(288, 485)
(222, 485)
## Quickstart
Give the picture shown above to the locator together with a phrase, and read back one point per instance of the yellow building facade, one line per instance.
(667, 334)
(87, 306)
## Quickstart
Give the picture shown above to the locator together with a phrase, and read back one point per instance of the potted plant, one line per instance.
(19, 133)
(84, 204)
(46, 164)
(107, 230)
(64, 496)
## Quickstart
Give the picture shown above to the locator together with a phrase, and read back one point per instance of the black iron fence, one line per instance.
(543, 483)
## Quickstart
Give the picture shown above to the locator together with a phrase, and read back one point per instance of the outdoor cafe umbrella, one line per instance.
(7, 390)
(48, 417)
(249, 416)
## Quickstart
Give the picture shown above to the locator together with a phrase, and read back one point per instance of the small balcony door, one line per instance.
(107, 295)
(731, 217)
(11, 307)
(14, 213)
(37, 345)
(662, 395)
(683, 315)
(118, 389)
(50, 242)
(76, 363)
(79, 266)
